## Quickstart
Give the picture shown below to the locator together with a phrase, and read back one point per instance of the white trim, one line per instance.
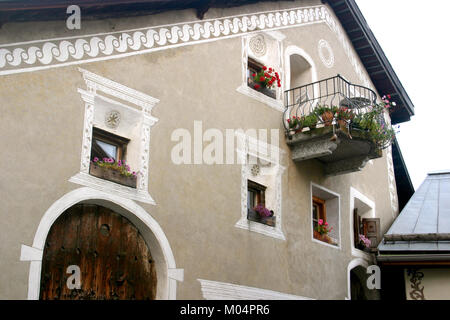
(90, 181)
(353, 264)
(28, 253)
(95, 83)
(214, 290)
(355, 194)
(291, 50)
(275, 104)
(149, 228)
(337, 195)
(244, 148)
(176, 274)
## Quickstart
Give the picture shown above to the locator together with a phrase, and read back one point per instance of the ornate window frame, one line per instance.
(249, 146)
(144, 104)
(274, 36)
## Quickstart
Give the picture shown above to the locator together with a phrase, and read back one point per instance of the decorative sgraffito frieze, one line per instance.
(416, 280)
(70, 50)
(50, 53)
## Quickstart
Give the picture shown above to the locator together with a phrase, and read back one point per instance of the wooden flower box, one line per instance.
(112, 175)
(252, 215)
(322, 237)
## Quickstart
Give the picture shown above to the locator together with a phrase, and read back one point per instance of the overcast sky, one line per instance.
(415, 37)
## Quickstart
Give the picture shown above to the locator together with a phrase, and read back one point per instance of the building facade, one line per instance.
(170, 94)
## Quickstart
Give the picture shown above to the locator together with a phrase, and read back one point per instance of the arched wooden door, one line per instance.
(113, 258)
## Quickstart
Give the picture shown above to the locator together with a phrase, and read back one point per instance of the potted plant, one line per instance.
(262, 215)
(326, 114)
(295, 124)
(364, 243)
(372, 122)
(109, 169)
(321, 231)
(310, 121)
(265, 80)
(344, 116)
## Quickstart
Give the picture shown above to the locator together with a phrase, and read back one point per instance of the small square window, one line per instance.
(325, 215)
(256, 197)
(253, 67)
(108, 145)
(319, 211)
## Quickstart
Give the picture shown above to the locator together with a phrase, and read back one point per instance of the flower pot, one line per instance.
(112, 175)
(322, 237)
(252, 215)
(266, 91)
(342, 124)
(327, 118)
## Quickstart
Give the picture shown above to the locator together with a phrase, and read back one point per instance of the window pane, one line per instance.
(109, 149)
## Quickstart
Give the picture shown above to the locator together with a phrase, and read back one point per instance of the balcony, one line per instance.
(338, 123)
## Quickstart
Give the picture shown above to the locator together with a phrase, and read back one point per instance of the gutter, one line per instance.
(426, 258)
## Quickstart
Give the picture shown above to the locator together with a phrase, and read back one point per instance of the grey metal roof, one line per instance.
(426, 215)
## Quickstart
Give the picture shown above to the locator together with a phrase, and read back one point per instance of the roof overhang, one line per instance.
(373, 58)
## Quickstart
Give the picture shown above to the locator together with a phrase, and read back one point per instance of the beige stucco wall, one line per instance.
(197, 206)
(433, 283)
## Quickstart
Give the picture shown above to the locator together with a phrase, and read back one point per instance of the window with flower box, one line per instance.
(325, 216)
(263, 50)
(262, 79)
(108, 145)
(256, 204)
(366, 232)
(366, 227)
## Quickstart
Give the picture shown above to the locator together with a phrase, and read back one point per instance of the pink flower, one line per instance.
(320, 222)
(95, 159)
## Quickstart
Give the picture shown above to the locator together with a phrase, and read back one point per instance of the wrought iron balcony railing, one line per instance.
(335, 91)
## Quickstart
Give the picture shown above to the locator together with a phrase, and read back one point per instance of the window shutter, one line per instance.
(372, 231)
(356, 224)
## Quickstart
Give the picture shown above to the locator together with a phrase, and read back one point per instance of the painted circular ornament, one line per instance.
(255, 170)
(112, 119)
(326, 53)
(258, 45)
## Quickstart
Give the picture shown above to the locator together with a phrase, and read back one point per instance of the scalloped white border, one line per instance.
(50, 53)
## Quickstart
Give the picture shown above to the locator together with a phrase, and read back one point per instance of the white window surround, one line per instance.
(355, 194)
(338, 196)
(144, 104)
(288, 52)
(248, 146)
(277, 103)
(214, 290)
(353, 264)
